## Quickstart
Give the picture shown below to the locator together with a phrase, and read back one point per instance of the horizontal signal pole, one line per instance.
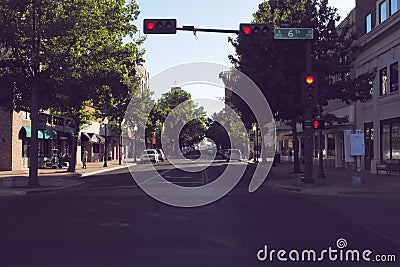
(193, 29)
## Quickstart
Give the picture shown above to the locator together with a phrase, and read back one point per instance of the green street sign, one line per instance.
(293, 33)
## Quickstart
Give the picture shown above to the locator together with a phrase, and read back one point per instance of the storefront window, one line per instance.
(25, 148)
(369, 144)
(391, 139)
(331, 146)
(385, 142)
(396, 140)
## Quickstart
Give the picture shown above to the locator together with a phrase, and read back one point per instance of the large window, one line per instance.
(368, 23)
(390, 140)
(393, 6)
(396, 140)
(394, 77)
(383, 81)
(385, 142)
(382, 12)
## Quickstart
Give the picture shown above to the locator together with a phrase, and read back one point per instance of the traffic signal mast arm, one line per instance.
(193, 29)
(169, 26)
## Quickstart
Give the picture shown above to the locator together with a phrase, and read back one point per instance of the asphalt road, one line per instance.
(110, 221)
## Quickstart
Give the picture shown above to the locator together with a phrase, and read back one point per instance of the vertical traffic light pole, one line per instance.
(308, 130)
(321, 174)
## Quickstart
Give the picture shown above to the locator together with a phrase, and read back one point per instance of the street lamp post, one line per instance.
(105, 122)
(255, 143)
(135, 128)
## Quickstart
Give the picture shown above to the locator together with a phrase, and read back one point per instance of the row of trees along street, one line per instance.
(181, 110)
(64, 55)
(276, 65)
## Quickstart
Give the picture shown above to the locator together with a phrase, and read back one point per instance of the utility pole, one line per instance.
(308, 130)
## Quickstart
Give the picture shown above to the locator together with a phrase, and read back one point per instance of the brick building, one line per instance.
(54, 134)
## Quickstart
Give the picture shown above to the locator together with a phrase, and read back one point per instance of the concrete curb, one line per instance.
(331, 190)
(22, 192)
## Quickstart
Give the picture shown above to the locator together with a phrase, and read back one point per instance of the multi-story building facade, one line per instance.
(378, 42)
(375, 25)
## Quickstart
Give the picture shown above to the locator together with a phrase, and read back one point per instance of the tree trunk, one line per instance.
(74, 148)
(296, 162)
(33, 150)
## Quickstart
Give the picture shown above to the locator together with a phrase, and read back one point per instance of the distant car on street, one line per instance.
(233, 154)
(150, 155)
(161, 154)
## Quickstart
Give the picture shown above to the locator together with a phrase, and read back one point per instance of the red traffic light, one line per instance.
(318, 124)
(159, 26)
(246, 30)
(310, 79)
(256, 30)
(150, 25)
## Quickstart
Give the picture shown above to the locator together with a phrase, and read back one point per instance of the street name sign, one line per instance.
(293, 33)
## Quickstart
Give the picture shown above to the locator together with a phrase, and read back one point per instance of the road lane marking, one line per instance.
(107, 170)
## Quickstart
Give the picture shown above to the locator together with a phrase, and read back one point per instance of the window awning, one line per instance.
(26, 132)
(93, 138)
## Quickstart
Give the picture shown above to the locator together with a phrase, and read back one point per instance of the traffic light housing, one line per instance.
(159, 26)
(309, 85)
(252, 30)
(318, 124)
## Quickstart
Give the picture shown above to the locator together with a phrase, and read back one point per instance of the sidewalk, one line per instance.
(16, 182)
(337, 181)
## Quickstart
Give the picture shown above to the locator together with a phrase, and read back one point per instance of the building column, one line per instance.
(338, 150)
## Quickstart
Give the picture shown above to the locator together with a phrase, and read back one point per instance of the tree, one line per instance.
(226, 129)
(277, 67)
(181, 111)
(67, 50)
(91, 56)
(114, 101)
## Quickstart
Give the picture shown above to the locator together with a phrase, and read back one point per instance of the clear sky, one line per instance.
(165, 51)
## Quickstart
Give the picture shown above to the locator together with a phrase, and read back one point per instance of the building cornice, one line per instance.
(390, 25)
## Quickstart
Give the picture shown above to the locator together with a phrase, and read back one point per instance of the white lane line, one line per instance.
(151, 178)
(107, 170)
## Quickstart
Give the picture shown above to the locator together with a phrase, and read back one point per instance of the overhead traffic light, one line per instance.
(318, 124)
(309, 84)
(251, 30)
(159, 26)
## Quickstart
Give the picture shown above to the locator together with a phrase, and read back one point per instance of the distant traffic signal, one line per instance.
(251, 30)
(309, 85)
(318, 124)
(159, 26)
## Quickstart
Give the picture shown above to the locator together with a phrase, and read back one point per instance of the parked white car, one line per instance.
(233, 154)
(150, 155)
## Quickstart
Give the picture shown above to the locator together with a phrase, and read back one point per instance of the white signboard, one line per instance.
(357, 145)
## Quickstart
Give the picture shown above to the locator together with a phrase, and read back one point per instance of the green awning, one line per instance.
(49, 134)
(42, 134)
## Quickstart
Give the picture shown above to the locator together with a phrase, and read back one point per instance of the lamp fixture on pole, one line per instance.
(105, 122)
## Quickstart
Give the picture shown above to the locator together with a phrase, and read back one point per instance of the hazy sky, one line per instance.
(165, 51)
